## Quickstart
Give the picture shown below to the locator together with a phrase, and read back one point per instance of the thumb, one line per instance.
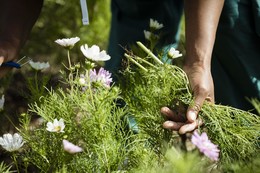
(195, 107)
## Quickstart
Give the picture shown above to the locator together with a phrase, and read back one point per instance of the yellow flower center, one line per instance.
(57, 128)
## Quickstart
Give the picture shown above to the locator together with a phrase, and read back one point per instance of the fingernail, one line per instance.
(192, 116)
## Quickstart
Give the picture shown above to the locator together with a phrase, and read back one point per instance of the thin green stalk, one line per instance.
(89, 86)
(149, 52)
(36, 82)
(106, 159)
(15, 162)
(69, 59)
(136, 63)
(186, 79)
(70, 68)
(146, 62)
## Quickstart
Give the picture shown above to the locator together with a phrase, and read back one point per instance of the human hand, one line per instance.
(8, 52)
(201, 83)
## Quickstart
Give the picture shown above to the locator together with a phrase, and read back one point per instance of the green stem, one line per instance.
(146, 62)
(15, 162)
(36, 82)
(69, 59)
(187, 83)
(136, 63)
(89, 87)
(70, 68)
(149, 52)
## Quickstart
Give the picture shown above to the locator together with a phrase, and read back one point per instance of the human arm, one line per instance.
(16, 21)
(201, 20)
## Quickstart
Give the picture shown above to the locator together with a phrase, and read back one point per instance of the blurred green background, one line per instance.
(63, 19)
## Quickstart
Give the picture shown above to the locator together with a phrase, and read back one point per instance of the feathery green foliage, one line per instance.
(4, 168)
(149, 88)
(95, 122)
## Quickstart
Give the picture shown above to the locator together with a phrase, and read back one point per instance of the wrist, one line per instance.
(199, 62)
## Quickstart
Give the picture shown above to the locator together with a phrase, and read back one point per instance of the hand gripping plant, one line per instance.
(150, 84)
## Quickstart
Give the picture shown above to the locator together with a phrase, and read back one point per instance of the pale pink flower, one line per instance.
(102, 76)
(205, 146)
(70, 147)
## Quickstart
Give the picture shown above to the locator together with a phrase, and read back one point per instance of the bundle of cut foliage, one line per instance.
(149, 84)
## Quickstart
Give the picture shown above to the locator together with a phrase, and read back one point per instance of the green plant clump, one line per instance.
(150, 84)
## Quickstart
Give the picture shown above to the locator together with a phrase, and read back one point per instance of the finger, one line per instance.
(170, 115)
(172, 125)
(193, 111)
(1, 60)
(194, 108)
(190, 127)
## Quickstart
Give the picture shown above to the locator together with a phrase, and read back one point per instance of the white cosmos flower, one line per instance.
(70, 147)
(67, 42)
(173, 53)
(2, 101)
(11, 142)
(82, 80)
(56, 126)
(147, 35)
(93, 53)
(39, 65)
(155, 24)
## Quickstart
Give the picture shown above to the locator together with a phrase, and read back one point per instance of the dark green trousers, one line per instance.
(236, 55)
(131, 17)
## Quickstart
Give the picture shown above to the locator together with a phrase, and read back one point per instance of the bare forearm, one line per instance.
(201, 18)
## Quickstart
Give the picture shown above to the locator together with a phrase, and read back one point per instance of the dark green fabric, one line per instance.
(236, 55)
(131, 17)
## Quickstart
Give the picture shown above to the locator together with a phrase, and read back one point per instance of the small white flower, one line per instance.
(56, 126)
(82, 80)
(93, 53)
(67, 42)
(39, 65)
(147, 35)
(155, 24)
(173, 53)
(2, 101)
(70, 147)
(11, 142)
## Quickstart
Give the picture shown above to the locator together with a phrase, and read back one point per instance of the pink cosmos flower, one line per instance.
(102, 76)
(205, 146)
(70, 147)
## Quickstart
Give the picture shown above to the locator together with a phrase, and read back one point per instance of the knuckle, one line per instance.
(201, 90)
